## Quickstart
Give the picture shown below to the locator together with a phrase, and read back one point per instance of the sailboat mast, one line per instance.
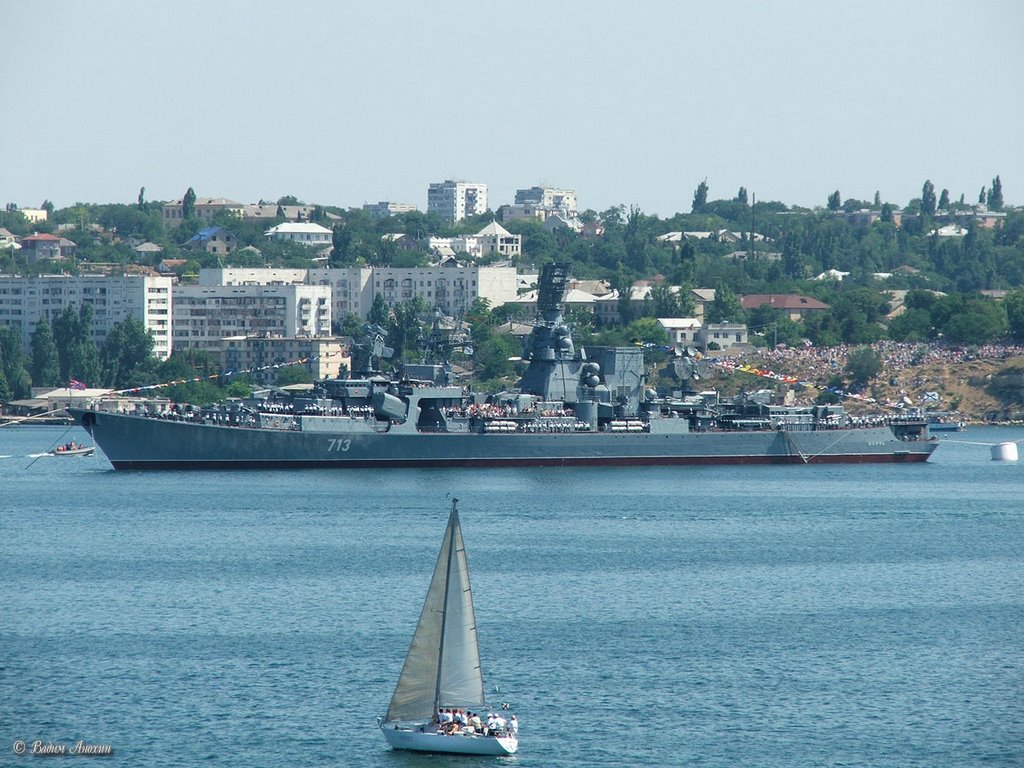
(444, 603)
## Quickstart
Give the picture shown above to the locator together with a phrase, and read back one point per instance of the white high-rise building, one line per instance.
(24, 300)
(455, 200)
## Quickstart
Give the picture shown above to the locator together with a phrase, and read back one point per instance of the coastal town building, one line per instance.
(148, 250)
(8, 240)
(34, 215)
(444, 247)
(206, 314)
(24, 300)
(204, 208)
(212, 240)
(303, 233)
(455, 200)
(494, 239)
(450, 287)
(795, 307)
(549, 199)
(40, 246)
(262, 211)
(682, 331)
(722, 336)
(385, 209)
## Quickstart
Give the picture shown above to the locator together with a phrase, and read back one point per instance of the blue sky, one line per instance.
(628, 103)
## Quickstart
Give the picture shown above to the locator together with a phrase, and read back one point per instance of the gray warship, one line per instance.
(587, 407)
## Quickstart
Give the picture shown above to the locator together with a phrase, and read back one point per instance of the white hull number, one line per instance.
(338, 445)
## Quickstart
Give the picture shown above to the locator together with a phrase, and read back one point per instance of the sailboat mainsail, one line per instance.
(442, 668)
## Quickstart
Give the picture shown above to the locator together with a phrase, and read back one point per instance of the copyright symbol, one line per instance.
(19, 747)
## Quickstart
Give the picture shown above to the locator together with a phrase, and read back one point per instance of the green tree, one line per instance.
(928, 199)
(944, 200)
(6, 393)
(978, 321)
(45, 363)
(188, 203)
(405, 329)
(834, 201)
(1014, 303)
(725, 308)
(491, 355)
(862, 365)
(913, 325)
(858, 312)
(76, 350)
(622, 283)
(379, 313)
(663, 301)
(293, 374)
(741, 196)
(341, 242)
(700, 197)
(127, 355)
(142, 199)
(995, 195)
(793, 264)
(17, 382)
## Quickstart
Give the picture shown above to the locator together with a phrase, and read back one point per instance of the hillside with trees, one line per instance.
(878, 247)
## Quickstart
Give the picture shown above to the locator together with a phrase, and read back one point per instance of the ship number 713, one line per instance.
(338, 445)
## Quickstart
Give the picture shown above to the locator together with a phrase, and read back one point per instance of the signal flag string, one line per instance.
(225, 375)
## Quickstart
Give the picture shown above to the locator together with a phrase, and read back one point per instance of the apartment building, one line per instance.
(385, 209)
(455, 200)
(204, 208)
(552, 198)
(24, 300)
(450, 287)
(204, 315)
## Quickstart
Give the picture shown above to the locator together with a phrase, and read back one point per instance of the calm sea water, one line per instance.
(719, 616)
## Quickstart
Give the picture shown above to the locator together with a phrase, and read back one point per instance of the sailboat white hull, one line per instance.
(402, 737)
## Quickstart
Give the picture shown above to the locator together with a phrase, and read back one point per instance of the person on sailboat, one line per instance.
(475, 722)
(446, 721)
(499, 725)
(513, 726)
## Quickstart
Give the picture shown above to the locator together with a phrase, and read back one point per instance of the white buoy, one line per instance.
(1004, 452)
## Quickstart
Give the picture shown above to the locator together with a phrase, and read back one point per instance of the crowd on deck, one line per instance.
(454, 720)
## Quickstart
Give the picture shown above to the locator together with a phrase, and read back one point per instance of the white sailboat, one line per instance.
(442, 668)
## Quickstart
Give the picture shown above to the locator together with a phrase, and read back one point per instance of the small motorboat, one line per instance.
(73, 449)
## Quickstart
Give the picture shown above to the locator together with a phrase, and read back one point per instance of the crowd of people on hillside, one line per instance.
(818, 364)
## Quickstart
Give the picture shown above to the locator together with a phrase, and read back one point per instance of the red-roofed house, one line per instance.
(42, 246)
(795, 307)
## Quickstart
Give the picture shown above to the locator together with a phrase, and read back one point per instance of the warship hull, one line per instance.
(140, 442)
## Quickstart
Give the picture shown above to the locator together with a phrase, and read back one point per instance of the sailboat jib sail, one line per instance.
(442, 668)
